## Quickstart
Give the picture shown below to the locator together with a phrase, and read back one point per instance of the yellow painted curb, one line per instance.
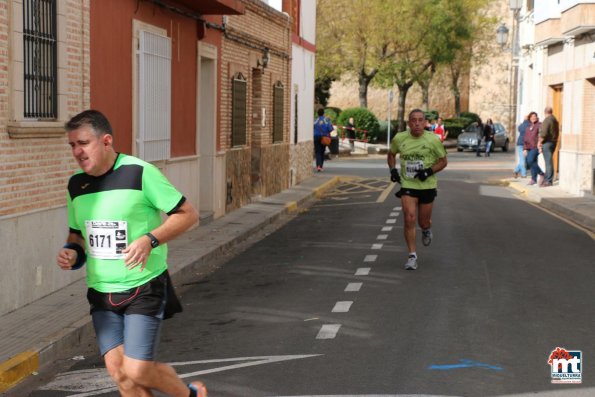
(320, 190)
(17, 368)
(291, 206)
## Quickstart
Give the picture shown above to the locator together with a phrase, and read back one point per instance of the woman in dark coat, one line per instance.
(530, 149)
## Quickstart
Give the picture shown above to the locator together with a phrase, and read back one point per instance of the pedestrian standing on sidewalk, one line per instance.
(530, 149)
(488, 133)
(521, 167)
(114, 206)
(548, 138)
(350, 127)
(421, 156)
(322, 132)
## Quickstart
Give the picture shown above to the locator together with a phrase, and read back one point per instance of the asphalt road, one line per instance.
(323, 306)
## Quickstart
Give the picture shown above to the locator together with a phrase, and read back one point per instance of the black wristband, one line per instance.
(154, 242)
(81, 256)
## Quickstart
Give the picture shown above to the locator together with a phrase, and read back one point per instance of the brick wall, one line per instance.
(35, 159)
(34, 171)
(242, 49)
(301, 161)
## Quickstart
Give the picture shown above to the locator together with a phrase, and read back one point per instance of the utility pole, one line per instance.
(515, 7)
(390, 101)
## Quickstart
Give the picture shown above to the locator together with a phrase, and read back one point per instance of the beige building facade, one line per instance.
(557, 69)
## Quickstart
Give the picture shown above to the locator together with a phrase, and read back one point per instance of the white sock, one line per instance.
(413, 254)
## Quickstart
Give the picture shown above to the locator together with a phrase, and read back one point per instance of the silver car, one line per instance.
(473, 135)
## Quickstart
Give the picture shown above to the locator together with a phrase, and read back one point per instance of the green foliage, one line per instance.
(470, 115)
(431, 115)
(322, 88)
(456, 125)
(364, 120)
(332, 113)
(383, 129)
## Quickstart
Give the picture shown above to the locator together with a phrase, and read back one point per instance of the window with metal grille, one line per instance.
(239, 94)
(278, 112)
(40, 44)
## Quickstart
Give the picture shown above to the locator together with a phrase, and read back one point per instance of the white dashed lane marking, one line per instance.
(342, 307)
(328, 331)
(363, 271)
(353, 287)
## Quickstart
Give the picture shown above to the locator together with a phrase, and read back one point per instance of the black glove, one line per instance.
(394, 175)
(422, 175)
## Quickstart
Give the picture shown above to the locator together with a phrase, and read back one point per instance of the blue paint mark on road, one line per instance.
(464, 363)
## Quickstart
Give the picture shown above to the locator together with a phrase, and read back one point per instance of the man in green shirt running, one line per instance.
(421, 155)
(114, 208)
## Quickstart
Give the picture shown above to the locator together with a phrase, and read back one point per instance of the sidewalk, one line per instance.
(579, 210)
(43, 331)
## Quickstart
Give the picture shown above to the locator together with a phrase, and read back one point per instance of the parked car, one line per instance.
(472, 135)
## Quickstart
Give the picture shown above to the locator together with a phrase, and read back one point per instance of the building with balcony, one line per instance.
(557, 69)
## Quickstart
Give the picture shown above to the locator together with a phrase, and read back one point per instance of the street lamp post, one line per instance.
(515, 7)
(502, 39)
(502, 35)
(390, 101)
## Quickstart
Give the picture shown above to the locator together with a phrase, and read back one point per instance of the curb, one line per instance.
(551, 204)
(22, 365)
(16, 368)
(320, 190)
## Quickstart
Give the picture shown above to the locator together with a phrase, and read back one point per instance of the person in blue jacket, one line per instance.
(521, 167)
(322, 128)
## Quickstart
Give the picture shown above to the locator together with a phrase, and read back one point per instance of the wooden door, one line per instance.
(557, 95)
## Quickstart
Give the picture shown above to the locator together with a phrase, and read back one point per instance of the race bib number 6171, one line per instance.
(106, 239)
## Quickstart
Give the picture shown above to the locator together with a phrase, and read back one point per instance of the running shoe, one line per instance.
(411, 263)
(426, 237)
(197, 389)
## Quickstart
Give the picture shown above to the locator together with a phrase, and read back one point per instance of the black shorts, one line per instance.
(425, 196)
(149, 299)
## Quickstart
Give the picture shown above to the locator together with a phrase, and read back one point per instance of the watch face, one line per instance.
(154, 241)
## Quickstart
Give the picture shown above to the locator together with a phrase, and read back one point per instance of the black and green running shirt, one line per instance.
(113, 210)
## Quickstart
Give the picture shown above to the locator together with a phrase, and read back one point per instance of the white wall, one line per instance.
(308, 21)
(302, 76)
(547, 9)
(29, 244)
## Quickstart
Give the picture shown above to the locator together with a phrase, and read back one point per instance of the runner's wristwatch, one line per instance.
(154, 241)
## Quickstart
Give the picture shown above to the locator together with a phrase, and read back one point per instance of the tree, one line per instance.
(391, 43)
(474, 50)
(351, 38)
(424, 82)
(322, 88)
(425, 34)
